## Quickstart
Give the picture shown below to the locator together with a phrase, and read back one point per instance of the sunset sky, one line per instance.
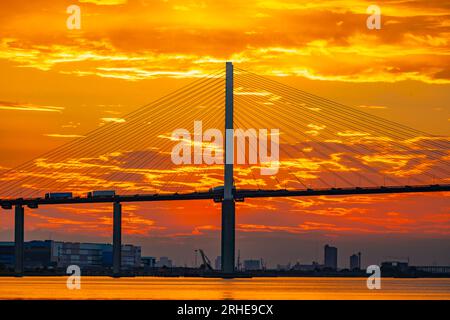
(58, 85)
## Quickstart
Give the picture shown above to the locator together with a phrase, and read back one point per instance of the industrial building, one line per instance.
(84, 255)
(307, 267)
(396, 266)
(37, 254)
(6, 254)
(148, 262)
(164, 262)
(96, 255)
(252, 265)
(50, 254)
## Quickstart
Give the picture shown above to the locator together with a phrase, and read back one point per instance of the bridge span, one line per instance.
(217, 196)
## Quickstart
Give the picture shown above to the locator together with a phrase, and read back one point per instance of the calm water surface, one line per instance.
(201, 288)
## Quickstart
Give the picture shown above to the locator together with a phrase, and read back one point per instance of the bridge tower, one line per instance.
(228, 204)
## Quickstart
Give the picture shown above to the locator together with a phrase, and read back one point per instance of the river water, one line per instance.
(209, 288)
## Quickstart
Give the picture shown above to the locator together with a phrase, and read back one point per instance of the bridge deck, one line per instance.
(239, 195)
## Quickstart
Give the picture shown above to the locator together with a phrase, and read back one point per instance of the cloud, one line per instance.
(59, 135)
(302, 44)
(372, 107)
(98, 219)
(115, 120)
(334, 211)
(349, 133)
(14, 106)
(105, 2)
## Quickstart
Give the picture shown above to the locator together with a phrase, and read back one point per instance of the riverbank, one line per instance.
(190, 272)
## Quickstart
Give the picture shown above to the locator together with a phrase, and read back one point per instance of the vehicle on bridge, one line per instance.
(58, 195)
(101, 194)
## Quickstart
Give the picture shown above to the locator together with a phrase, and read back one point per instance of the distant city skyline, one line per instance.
(343, 255)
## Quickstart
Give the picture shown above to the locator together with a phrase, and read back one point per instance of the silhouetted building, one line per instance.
(355, 261)
(97, 255)
(164, 262)
(131, 256)
(250, 265)
(6, 255)
(394, 266)
(85, 255)
(330, 259)
(40, 254)
(37, 254)
(49, 253)
(434, 269)
(306, 267)
(148, 262)
(284, 267)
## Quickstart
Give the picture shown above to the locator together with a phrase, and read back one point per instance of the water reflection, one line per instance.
(208, 288)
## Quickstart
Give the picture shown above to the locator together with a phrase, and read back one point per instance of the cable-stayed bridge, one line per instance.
(325, 148)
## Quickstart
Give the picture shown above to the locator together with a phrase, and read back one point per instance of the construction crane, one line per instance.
(206, 263)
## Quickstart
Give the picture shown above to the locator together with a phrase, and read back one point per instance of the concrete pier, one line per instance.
(19, 225)
(117, 238)
(228, 235)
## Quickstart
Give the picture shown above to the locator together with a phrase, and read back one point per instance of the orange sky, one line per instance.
(58, 84)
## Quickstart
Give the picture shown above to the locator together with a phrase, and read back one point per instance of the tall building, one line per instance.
(330, 259)
(355, 261)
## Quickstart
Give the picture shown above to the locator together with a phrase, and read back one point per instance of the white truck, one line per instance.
(101, 194)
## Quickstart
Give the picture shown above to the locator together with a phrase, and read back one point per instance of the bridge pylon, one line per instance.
(228, 204)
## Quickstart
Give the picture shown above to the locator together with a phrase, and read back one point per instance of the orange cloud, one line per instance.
(4, 105)
(144, 49)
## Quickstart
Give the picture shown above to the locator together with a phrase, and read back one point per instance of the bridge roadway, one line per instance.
(217, 196)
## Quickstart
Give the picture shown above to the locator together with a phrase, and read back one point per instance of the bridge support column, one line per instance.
(228, 205)
(18, 239)
(117, 238)
(228, 235)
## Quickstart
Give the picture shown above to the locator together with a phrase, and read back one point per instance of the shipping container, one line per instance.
(101, 194)
(58, 195)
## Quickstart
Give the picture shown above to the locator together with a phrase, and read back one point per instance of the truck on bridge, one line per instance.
(101, 194)
(58, 195)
